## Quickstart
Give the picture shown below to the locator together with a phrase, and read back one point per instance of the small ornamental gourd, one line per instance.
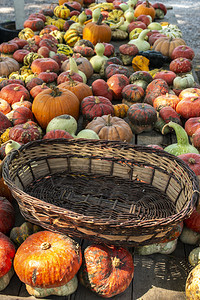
(140, 42)
(63, 122)
(192, 286)
(163, 248)
(188, 236)
(106, 270)
(183, 82)
(99, 58)
(96, 106)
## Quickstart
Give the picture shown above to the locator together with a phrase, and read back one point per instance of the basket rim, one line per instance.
(176, 218)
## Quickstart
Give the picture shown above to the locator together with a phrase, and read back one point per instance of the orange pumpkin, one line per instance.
(47, 259)
(61, 2)
(145, 9)
(80, 89)
(106, 270)
(166, 100)
(97, 32)
(54, 102)
(4, 106)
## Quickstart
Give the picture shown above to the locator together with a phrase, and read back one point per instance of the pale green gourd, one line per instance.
(131, 5)
(64, 290)
(140, 43)
(11, 145)
(129, 18)
(63, 122)
(188, 236)
(99, 58)
(183, 82)
(194, 257)
(163, 248)
(81, 20)
(5, 280)
(87, 134)
(96, 14)
(74, 68)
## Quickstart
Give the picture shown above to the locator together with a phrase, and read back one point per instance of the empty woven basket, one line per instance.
(107, 191)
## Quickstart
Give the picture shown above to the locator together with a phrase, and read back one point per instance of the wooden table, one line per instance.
(156, 277)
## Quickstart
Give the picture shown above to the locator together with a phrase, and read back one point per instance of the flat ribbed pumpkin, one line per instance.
(54, 102)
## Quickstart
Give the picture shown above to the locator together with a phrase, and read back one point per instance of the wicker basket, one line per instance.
(106, 191)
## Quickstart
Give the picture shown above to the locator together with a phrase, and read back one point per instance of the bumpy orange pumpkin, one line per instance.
(54, 102)
(106, 270)
(47, 259)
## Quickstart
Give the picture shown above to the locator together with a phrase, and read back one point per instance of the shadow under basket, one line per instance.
(8, 31)
(106, 191)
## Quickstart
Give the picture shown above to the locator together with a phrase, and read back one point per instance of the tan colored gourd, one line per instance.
(166, 45)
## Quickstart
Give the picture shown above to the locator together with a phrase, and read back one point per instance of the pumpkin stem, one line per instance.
(147, 3)
(108, 121)
(191, 160)
(100, 19)
(45, 246)
(97, 100)
(55, 91)
(116, 262)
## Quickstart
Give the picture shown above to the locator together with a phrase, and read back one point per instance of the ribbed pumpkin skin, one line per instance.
(57, 134)
(132, 93)
(97, 33)
(154, 89)
(80, 89)
(142, 117)
(101, 273)
(43, 267)
(145, 9)
(166, 45)
(7, 253)
(111, 128)
(96, 106)
(50, 103)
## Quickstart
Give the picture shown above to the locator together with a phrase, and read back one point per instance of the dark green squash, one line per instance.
(19, 234)
(156, 58)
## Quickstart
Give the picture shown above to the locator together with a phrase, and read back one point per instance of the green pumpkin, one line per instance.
(163, 248)
(183, 82)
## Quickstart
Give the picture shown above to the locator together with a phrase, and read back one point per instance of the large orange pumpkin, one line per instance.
(80, 89)
(145, 9)
(54, 102)
(97, 32)
(47, 259)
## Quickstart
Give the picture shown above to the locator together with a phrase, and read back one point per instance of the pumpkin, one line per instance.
(61, 11)
(192, 160)
(63, 122)
(21, 115)
(196, 139)
(113, 69)
(165, 100)
(189, 92)
(68, 76)
(132, 93)
(24, 133)
(183, 51)
(4, 122)
(141, 78)
(166, 45)
(8, 47)
(111, 128)
(43, 64)
(167, 113)
(20, 42)
(59, 58)
(154, 89)
(116, 83)
(83, 65)
(142, 117)
(57, 134)
(54, 102)
(106, 270)
(8, 65)
(80, 89)
(48, 77)
(20, 54)
(30, 57)
(188, 236)
(26, 33)
(35, 24)
(120, 110)
(166, 75)
(47, 259)
(180, 65)
(38, 89)
(35, 81)
(101, 88)
(14, 92)
(193, 222)
(97, 32)
(145, 8)
(191, 125)
(4, 106)
(189, 107)
(163, 248)
(110, 60)
(19, 234)
(61, 2)
(96, 106)
(7, 215)
(183, 82)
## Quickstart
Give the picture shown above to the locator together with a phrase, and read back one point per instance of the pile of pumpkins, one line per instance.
(62, 77)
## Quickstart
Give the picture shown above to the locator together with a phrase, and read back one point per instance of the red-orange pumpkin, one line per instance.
(189, 107)
(54, 102)
(7, 253)
(13, 92)
(165, 100)
(47, 259)
(106, 270)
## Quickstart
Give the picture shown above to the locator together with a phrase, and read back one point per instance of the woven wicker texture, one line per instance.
(107, 191)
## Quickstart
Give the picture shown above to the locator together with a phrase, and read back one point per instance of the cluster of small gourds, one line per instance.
(118, 92)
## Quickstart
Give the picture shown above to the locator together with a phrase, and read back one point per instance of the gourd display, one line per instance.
(106, 270)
